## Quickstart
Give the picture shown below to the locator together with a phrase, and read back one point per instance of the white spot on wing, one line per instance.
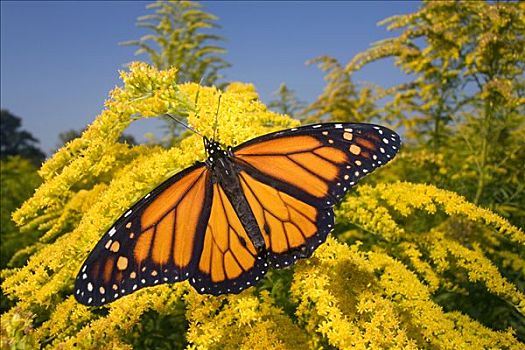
(112, 232)
(128, 213)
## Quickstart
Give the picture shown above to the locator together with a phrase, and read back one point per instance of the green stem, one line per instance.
(436, 144)
(484, 152)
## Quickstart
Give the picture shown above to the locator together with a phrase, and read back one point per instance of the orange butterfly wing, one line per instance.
(293, 178)
(291, 228)
(154, 242)
(228, 261)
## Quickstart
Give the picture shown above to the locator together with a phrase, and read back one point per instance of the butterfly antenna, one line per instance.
(183, 124)
(216, 124)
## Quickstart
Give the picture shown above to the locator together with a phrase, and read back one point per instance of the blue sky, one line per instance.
(59, 60)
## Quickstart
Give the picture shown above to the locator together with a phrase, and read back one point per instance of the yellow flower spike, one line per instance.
(413, 298)
(243, 321)
(55, 190)
(79, 203)
(364, 210)
(422, 267)
(65, 320)
(122, 316)
(238, 119)
(311, 289)
(477, 336)
(405, 197)
(512, 261)
(481, 269)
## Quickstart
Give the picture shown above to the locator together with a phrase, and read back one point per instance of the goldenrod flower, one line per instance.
(375, 292)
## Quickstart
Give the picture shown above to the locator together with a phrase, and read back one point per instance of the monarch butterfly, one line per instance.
(222, 223)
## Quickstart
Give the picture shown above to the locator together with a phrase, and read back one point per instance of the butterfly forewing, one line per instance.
(319, 163)
(152, 243)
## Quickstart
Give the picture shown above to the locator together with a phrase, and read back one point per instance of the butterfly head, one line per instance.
(214, 150)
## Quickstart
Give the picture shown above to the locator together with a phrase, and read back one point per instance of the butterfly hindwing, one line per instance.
(229, 262)
(291, 228)
(152, 243)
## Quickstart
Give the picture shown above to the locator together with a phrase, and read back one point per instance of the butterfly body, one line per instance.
(225, 172)
(222, 223)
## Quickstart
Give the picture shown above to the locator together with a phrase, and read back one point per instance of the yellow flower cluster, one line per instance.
(371, 294)
(373, 209)
(407, 198)
(359, 300)
(244, 321)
